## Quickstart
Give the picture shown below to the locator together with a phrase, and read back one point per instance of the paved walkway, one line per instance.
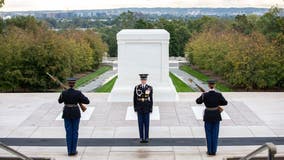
(185, 77)
(33, 117)
(102, 79)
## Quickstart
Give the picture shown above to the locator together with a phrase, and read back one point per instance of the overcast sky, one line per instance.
(24, 5)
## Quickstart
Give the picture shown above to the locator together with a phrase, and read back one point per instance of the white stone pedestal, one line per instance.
(143, 51)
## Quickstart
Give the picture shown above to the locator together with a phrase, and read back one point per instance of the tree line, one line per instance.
(247, 52)
(178, 28)
(29, 49)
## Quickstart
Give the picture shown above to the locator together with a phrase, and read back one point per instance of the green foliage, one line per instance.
(126, 20)
(28, 49)
(28, 23)
(109, 37)
(200, 24)
(107, 87)
(271, 23)
(179, 35)
(247, 61)
(179, 32)
(1, 3)
(1, 25)
(243, 24)
(179, 84)
(92, 76)
(143, 24)
(279, 45)
(247, 51)
(91, 44)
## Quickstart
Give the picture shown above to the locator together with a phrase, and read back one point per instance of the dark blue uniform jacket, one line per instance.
(212, 99)
(72, 96)
(143, 99)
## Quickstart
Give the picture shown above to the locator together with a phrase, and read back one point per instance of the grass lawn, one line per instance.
(91, 76)
(107, 87)
(204, 78)
(180, 85)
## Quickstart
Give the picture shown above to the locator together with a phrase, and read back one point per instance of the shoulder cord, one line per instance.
(137, 91)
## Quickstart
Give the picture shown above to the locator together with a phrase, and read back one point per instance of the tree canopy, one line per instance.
(246, 50)
(248, 53)
(1, 3)
(28, 49)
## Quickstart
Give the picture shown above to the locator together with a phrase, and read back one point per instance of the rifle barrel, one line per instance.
(56, 80)
(200, 88)
(82, 106)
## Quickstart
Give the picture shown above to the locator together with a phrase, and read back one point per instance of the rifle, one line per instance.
(221, 109)
(200, 88)
(82, 106)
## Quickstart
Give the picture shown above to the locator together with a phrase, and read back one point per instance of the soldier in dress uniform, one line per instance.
(71, 114)
(212, 115)
(143, 105)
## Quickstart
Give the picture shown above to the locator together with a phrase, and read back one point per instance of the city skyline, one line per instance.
(34, 5)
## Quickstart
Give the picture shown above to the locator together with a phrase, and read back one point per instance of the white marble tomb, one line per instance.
(143, 51)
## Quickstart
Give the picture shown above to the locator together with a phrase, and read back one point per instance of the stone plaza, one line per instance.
(29, 123)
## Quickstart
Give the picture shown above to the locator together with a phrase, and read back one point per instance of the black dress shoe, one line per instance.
(141, 141)
(146, 141)
(73, 154)
(211, 154)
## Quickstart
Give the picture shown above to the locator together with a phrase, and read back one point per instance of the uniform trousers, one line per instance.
(143, 124)
(212, 132)
(71, 128)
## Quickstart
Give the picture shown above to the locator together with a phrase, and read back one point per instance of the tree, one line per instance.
(1, 25)
(271, 23)
(12, 43)
(28, 23)
(28, 49)
(96, 44)
(247, 61)
(143, 24)
(179, 35)
(51, 22)
(109, 37)
(125, 20)
(1, 3)
(200, 24)
(243, 25)
(279, 44)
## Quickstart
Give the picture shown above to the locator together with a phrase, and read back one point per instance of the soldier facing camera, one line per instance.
(143, 105)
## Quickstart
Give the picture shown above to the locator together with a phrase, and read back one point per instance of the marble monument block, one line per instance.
(143, 51)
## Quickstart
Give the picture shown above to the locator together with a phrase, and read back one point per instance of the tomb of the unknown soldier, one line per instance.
(143, 51)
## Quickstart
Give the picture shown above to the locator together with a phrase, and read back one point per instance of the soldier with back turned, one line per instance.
(212, 115)
(72, 114)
